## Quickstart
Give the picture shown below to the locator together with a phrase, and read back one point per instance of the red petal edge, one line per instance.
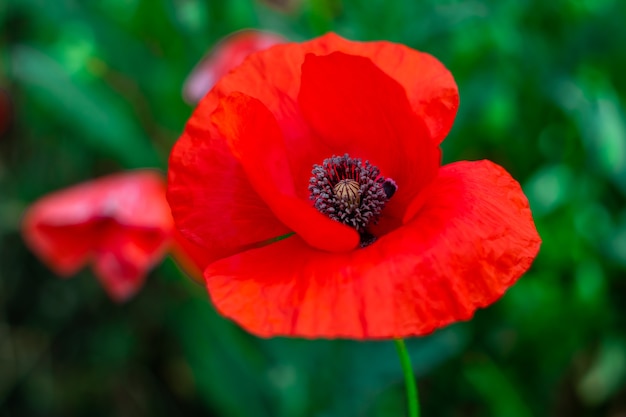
(470, 241)
(191, 258)
(213, 204)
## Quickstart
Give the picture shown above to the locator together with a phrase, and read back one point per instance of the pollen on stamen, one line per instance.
(351, 192)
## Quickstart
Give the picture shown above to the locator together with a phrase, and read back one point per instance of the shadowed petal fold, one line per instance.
(256, 141)
(123, 257)
(212, 201)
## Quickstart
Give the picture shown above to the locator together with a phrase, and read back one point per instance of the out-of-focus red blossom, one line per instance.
(120, 223)
(247, 182)
(226, 55)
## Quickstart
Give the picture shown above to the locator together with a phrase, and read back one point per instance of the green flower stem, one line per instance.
(411, 387)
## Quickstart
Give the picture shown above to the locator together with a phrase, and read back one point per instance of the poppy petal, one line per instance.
(212, 201)
(471, 240)
(367, 114)
(256, 141)
(429, 85)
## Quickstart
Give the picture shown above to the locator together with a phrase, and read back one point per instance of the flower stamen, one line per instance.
(350, 192)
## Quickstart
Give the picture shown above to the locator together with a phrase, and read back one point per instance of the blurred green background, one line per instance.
(95, 88)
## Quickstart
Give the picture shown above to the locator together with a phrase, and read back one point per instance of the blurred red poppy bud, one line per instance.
(226, 55)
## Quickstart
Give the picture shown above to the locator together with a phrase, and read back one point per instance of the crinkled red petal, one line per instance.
(212, 201)
(355, 108)
(256, 141)
(468, 242)
(429, 85)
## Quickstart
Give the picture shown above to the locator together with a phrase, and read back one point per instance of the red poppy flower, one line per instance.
(226, 55)
(311, 175)
(121, 223)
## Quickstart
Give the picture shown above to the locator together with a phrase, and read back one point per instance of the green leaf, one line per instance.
(97, 116)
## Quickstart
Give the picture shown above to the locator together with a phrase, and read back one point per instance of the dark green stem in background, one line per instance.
(409, 378)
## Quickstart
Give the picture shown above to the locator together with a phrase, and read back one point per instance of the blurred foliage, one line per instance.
(94, 87)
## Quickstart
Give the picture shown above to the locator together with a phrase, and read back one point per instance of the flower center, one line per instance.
(350, 192)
